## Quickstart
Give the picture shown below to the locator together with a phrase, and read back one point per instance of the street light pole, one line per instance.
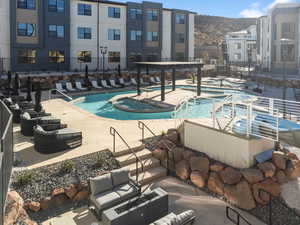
(103, 53)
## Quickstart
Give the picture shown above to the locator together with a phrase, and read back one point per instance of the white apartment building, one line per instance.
(4, 36)
(263, 43)
(241, 45)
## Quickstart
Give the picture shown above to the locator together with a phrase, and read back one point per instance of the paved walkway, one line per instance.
(209, 210)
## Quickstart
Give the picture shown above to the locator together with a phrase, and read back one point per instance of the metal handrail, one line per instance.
(113, 132)
(239, 217)
(63, 94)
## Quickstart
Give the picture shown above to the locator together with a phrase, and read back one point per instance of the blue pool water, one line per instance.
(98, 104)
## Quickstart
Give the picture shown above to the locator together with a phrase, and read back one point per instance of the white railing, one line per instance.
(61, 93)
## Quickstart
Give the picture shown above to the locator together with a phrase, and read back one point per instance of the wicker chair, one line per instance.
(27, 123)
(49, 140)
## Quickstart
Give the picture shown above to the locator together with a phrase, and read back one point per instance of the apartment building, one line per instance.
(4, 36)
(263, 43)
(69, 34)
(241, 45)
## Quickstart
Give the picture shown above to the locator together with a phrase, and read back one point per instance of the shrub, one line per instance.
(67, 166)
(100, 161)
(26, 177)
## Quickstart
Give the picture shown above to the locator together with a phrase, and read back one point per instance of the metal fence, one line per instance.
(6, 155)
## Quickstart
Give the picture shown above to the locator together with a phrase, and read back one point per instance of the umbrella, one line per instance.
(38, 96)
(29, 90)
(16, 85)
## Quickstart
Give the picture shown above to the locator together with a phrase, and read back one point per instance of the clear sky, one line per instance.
(227, 8)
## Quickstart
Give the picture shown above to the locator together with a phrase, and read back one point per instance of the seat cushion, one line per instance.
(169, 219)
(126, 191)
(101, 184)
(120, 176)
(183, 217)
(26, 116)
(106, 200)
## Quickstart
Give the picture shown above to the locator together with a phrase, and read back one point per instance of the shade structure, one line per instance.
(16, 84)
(163, 66)
(29, 89)
(38, 97)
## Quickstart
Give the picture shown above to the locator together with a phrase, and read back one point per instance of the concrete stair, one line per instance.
(151, 175)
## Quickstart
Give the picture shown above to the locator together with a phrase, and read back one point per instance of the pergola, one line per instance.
(166, 66)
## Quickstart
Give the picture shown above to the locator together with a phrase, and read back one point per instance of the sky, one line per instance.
(226, 8)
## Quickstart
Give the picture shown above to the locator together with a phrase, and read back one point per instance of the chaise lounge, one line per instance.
(185, 218)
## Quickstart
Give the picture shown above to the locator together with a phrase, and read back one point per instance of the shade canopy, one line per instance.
(170, 65)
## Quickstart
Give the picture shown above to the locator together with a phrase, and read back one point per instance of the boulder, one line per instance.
(267, 168)
(81, 196)
(183, 170)
(198, 178)
(293, 169)
(291, 155)
(46, 203)
(230, 176)
(71, 191)
(215, 184)
(200, 164)
(269, 186)
(176, 154)
(281, 177)
(217, 167)
(34, 206)
(60, 200)
(14, 205)
(252, 175)
(279, 160)
(163, 143)
(240, 195)
(160, 154)
(172, 135)
(57, 191)
(187, 155)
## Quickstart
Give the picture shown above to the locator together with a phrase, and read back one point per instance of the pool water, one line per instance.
(98, 104)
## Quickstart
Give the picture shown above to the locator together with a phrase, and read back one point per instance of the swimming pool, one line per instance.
(98, 104)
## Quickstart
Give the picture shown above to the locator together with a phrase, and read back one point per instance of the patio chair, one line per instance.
(28, 122)
(185, 218)
(152, 81)
(111, 189)
(125, 84)
(60, 88)
(53, 139)
(104, 84)
(133, 81)
(113, 83)
(157, 79)
(69, 87)
(144, 83)
(95, 84)
(17, 111)
(79, 86)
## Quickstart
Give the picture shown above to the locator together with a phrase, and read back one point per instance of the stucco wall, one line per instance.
(227, 148)
(4, 35)
(192, 35)
(166, 42)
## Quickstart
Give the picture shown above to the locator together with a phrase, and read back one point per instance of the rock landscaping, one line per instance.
(249, 189)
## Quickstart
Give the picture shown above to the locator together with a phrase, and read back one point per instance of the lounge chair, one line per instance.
(113, 84)
(185, 218)
(54, 139)
(157, 79)
(104, 84)
(153, 81)
(60, 88)
(144, 83)
(17, 111)
(111, 189)
(95, 84)
(69, 87)
(133, 81)
(125, 84)
(79, 86)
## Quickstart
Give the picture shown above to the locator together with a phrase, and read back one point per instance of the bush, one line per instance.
(100, 161)
(67, 166)
(26, 177)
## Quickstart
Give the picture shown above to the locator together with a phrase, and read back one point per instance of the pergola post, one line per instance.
(173, 79)
(138, 86)
(198, 80)
(163, 80)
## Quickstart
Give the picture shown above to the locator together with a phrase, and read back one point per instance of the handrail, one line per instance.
(113, 132)
(142, 125)
(239, 217)
(60, 92)
(8, 121)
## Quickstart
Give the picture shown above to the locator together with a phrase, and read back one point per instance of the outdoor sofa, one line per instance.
(185, 218)
(111, 189)
(55, 138)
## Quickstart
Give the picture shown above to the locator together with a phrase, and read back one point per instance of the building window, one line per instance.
(180, 38)
(26, 4)
(287, 53)
(237, 56)
(84, 33)
(274, 54)
(238, 45)
(56, 31)
(152, 15)
(152, 57)
(56, 56)
(26, 56)
(152, 36)
(84, 9)
(114, 12)
(179, 56)
(114, 34)
(288, 30)
(114, 57)
(180, 19)
(84, 56)
(135, 57)
(275, 32)
(56, 5)
(136, 35)
(135, 14)
(26, 29)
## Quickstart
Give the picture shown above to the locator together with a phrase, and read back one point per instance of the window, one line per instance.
(180, 19)
(274, 53)
(84, 56)
(114, 34)
(179, 56)
(136, 35)
(135, 57)
(152, 15)
(275, 32)
(152, 36)
(287, 53)
(26, 56)
(56, 5)
(56, 31)
(56, 56)
(135, 14)
(84, 9)
(114, 12)
(114, 57)
(237, 56)
(26, 4)
(288, 30)
(152, 57)
(84, 33)
(26, 29)
(180, 38)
